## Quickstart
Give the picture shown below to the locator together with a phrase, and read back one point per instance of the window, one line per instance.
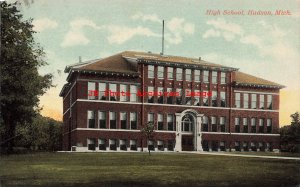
(269, 125)
(102, 145)
(223, 78)
(253, 125)
(133, 120)
(213, 124)
(102, 120)
(222, 146)
(205, 76)
(205, 99)
(214, 99)
(160, 98)
(160, 72)
(170, 121)
(150, 145)
(150, 71)
(112, 120)
(187, 121)
(160, 122)
(197, 75)
(245, 124)
(133, 145)
(150, 94)
(91, 143)
(151, 118)
(237, 100)
(91, 119)
(237, 146)
(188, 75)
(214, 77)
(123, 92)
(123, 119)
(133, 92)
(179, 74)
(102, 91)
(91, 90)
(222, 124)
(253, 101)
(197, 98)
(269, 102)
(261, 101)
(123, 145)
(170, 97)
(246, 100)
(188, 98)
(261, 125)
(245, 146)
(170, 73)
(112, 92)
(112, 144)
(179, 97)
(237, 124)
(223, 99)
(205, 123)
(160, 145)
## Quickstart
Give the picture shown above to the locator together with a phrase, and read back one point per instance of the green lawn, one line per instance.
(137, 169)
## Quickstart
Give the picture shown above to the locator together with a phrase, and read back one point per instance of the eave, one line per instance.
(99, 72)
(185, 65)
(258, 85)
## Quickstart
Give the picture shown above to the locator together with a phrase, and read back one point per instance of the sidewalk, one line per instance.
(241, 155)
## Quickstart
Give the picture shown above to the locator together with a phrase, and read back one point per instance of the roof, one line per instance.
(115, 63)
(125, 63)
(170, 59)
(245, 79)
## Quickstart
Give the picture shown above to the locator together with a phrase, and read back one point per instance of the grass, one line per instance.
(139, 169)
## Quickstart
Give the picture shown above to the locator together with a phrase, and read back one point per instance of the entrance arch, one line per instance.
(188, 131)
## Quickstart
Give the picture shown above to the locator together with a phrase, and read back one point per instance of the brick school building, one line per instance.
(239, 112)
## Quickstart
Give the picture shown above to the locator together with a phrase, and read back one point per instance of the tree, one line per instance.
(290, 135)
(42, 134)
(20, 83)
(148, 131)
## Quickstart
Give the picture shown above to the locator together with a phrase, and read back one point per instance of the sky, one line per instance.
(266, 46)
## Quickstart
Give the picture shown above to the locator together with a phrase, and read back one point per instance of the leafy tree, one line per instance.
(42, 134)
(290, 135)
(148, 131)
(21, 84)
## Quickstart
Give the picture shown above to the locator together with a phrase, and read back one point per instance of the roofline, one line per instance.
(258, 85)
(63, 89)
(185, 65)
(100, 72)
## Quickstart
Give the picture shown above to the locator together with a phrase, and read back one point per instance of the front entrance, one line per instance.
(188, 131)
(187, 143)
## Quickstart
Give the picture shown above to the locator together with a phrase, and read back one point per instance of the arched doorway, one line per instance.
(187, 129)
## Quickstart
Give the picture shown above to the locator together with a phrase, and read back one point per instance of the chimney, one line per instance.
(80, 59)
(199, 58)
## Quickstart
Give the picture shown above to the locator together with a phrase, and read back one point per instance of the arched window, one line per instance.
(187, 123)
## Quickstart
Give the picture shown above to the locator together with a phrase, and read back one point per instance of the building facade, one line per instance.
(194, 105)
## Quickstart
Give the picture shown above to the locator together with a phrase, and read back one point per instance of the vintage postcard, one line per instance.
(150, 93)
